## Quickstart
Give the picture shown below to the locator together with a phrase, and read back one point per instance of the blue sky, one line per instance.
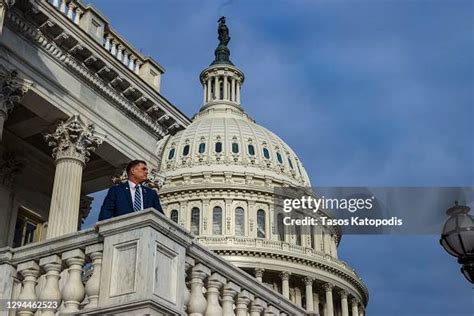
(368, 93)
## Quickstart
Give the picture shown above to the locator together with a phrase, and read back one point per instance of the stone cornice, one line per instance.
(36, 36)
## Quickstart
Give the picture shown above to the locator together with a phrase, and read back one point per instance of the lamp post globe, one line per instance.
(457, 238)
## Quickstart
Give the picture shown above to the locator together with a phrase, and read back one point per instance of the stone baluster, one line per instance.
(344, 305)
(285, 283)
(77, 17)
(316, 303)
(259, 274)
(272, 310)
(228, 295)
(120, 52)
(188, 264)
(62, 7)
(73, 290)
(73, 141)
(51, 292)
(197, 302)
(243, 301)
(138, 65)
(308, 281)
(30, 271)
(113, 47)
(257, 307)
(56, 3)
(12, 90)
(71, 6)
(125, 57)
(131, 62)
(107, 42)
(93, 284)
(355, 307)
(214, 284)
(329, 304)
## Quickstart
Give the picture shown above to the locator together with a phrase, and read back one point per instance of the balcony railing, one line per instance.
(141, 263)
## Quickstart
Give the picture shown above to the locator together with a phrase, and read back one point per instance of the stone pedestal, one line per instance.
(142, 267)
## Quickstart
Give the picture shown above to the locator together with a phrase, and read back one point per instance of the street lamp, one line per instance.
(457, 238)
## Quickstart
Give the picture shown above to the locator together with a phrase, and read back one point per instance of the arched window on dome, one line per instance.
(279, 158)
(235, 148)
(202, 148)
(261, 224)
(266, 153)
(218, 147)
(251, 150)
(298, 234)
(290, 163)
(171, 153)
(280, 227)
(186, 150)
(195, 220)
(299, 169)
(217, 221)
(239, 222)
(174, 216)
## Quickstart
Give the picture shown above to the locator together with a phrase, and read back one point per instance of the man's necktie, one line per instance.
(137, 203)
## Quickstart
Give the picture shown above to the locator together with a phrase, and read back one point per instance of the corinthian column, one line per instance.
(330, 307)
(12, 88)
(344, 305)
(355, 306)
(285, 284)
(72, 143)
(308, 281)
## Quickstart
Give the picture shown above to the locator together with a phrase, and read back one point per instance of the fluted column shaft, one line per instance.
(330, 306)
(237, 92)
(217, 95)
(65, 200)
(226, 94)
(344, 305)
(309, 294)
(316, 303)
(355, 307)
(285, 284)
(232, 90)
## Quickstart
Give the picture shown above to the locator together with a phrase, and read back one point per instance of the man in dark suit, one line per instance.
(130, 196)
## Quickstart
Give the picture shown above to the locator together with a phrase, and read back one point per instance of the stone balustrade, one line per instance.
(141, 263)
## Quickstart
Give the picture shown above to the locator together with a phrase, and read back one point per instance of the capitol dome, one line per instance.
(220, 176)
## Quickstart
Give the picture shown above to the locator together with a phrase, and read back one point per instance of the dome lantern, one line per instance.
(222, 81)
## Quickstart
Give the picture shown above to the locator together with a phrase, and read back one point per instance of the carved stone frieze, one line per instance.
(74, 139)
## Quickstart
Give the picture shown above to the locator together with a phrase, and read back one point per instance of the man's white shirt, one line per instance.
(132, 192)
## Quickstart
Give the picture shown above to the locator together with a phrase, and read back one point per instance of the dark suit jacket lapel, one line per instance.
(126, 190)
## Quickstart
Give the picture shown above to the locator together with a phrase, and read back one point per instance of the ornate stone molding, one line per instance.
(328, 287)
(308, 280)
(12, 89)
(285, 275)
(74, 139)
(10, 167)
(343, 294)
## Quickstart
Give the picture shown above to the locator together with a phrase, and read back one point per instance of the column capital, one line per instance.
(285, 275)
(259, 272)
(354, 302)
(308, 280)
(328, 287)
(343, 294)
(74, 139)
(12, 88)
